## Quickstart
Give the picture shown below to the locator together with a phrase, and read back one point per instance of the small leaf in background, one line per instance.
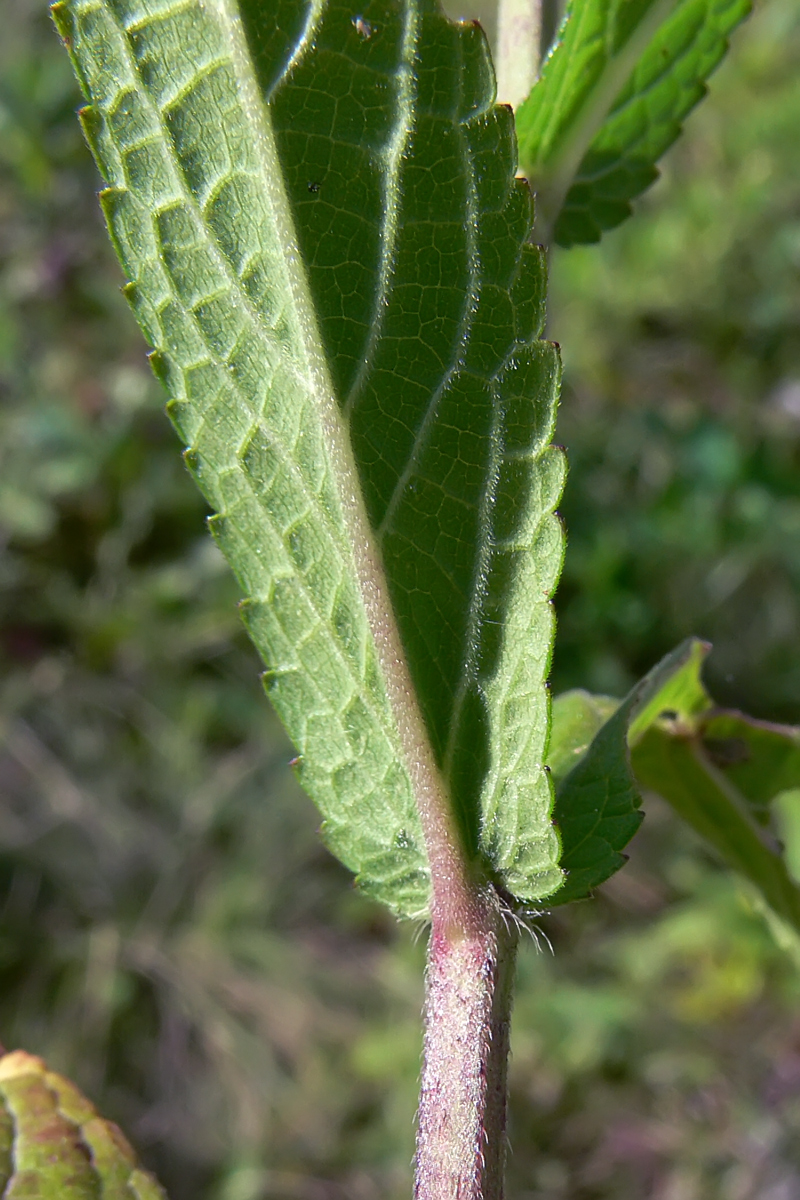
(726, 774)
(597, 801)
(576, 717)
(53, 1144)
(673, 689)
(760, 759)
(786, 809)
(674, 765)
(611, 98)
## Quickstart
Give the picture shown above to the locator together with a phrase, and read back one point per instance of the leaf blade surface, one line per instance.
(204, 243)
(447, 389)
(328, 249)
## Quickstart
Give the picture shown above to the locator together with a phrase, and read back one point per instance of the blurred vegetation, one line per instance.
(172, 933)
(682, 406)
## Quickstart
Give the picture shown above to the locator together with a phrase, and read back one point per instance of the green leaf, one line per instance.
(597, 800)
(623, 76)
(597, 810)
(576, 718)
(54, 1146)
(719, 770)
(786, 808)
(675, 692)
(329, 251)
(676, 767)
(758, 758)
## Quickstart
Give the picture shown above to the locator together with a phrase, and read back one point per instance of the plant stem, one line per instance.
(461, 1133)
(519, 36)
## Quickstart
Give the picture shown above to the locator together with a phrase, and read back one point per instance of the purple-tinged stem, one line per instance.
(461, 1130)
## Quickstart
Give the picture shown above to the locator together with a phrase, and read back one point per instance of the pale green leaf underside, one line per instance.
(346, 314)
(611, 99)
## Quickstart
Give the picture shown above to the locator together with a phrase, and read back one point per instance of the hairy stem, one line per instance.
(519, 36)
(461, 1133)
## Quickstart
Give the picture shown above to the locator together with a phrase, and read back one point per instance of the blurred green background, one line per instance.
(173, 934)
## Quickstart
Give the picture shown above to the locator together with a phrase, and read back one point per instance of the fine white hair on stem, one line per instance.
(524, 920)
(538, 935)
(421, 926)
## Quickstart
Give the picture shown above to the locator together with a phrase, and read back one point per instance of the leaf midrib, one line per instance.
(451, 888)
(392, 165)
(314, 356)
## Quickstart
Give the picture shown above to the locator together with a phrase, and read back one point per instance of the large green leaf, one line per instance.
(328, 248)
(53, 1144)
(621, 79)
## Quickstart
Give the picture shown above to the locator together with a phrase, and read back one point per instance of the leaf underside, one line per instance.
(320, 220)
(611, 99)
(53, 1144)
